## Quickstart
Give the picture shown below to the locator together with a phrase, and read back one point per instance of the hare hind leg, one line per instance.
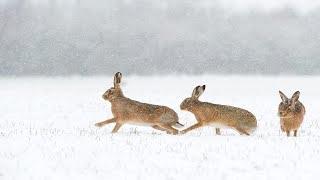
(158, 128)
(218, 131)
(169, 129)
(116, 127)
(295, 132)
(102, 123)
(242, 131)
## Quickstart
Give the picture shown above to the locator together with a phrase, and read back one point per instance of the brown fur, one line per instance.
(291, 112)
(208, 114)
(127, 111)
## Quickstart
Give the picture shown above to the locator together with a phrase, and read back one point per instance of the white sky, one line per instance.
(302, 6)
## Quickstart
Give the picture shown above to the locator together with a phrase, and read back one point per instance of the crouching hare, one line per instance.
(218, 116)
(127, 111)
(291, 112)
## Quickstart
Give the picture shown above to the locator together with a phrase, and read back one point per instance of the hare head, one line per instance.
(114, 91)
(189, 102)
(287, 105)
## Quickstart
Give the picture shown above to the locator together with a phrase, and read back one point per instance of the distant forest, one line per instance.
(154, 37)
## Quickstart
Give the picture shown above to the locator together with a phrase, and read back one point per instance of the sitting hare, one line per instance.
(218, 116)
(291, 112)
(127, 111)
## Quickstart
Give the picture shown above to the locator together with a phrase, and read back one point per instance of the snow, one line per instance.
(47, 130)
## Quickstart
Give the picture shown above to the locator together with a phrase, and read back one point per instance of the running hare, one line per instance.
(291, 112)
(127, 111)
(219, 116)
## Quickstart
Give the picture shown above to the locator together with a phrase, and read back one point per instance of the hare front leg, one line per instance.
(218, 131)
(116, 127)
(195, 126)
(100, 124)
(295, 133)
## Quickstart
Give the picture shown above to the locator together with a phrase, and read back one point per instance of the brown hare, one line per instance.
(218, 116)
(291, 112)
(127, 111)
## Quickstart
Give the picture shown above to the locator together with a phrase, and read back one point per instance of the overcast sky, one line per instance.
(66, 37)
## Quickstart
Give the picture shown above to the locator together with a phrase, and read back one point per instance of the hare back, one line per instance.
(228, 116)
(142, 113)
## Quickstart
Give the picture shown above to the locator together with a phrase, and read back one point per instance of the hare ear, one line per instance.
(283, 96)
(197, 91)
(296, 96)
(117, 80)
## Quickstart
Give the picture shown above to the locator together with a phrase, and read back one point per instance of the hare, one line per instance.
(127, 111)
(218, 116)
(291, 112)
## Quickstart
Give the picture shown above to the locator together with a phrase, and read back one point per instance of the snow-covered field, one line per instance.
(47, 130)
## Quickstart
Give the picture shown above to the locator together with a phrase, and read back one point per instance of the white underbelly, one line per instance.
(219, 125)
(139, 123)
